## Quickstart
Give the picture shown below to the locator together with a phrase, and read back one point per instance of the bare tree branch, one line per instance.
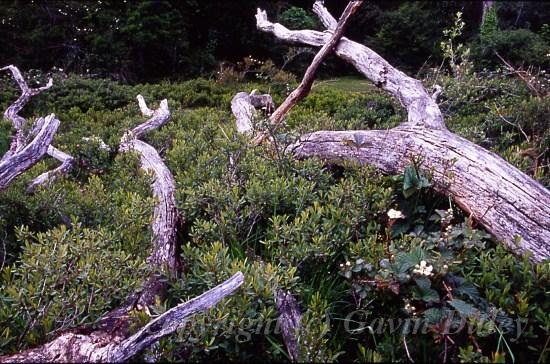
(110, 339)
(19, 123)
(50, 176)
(243, 106)
(24, 157)
(164, 186)
(305, 86)
(422, 110)
(26, 148)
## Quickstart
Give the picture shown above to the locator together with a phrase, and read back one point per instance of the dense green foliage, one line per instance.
(77, 248)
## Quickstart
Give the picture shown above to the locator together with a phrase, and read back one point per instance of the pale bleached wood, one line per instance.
(309, 76)
(29, 145)
(21, 137)
(324, 16)
(158, 118)
(12, 112)
(407, 90)
(244, 105)
(505, 201)
(23, 157)
(164, 226)
(50, 176)
(109, 340)
(108, 347)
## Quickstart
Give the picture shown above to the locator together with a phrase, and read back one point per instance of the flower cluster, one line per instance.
(423, 269)
(395, 214)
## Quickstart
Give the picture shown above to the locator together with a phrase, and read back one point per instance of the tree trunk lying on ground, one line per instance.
(110, 340)
(506, 202)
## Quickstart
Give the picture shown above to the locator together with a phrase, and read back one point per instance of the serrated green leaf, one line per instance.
(429, 295)
(469, 290)
(433, 315)
(423, 283)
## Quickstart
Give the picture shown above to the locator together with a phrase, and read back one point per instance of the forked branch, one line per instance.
(305, 86)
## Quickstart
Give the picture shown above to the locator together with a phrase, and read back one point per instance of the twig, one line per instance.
(510, 123)
(407, 349)
(521, 74)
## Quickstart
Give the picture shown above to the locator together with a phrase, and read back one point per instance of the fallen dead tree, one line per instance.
(111, 340)
(29, 144)
(24, 154)
(506, 202)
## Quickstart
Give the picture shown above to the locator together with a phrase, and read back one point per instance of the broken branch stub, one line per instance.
(290, 322)
(26, 148)
(110, 339)
(22, 137)
(243, 106)
(50, 176)
(409, 91)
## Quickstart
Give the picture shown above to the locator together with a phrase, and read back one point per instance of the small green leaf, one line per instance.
(469, 290)
(433, 315)
(423, 283)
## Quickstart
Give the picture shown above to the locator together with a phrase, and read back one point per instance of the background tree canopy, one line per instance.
(149, 40)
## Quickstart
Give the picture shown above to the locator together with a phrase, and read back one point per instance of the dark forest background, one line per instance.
(136, 41)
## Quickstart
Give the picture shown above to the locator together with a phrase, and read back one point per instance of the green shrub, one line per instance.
(489, 26)
(64, 277)
(298, 18)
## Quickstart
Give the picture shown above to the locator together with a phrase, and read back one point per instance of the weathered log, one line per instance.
(21, 158)
(508, 203)
(21, 138)
(165, 221)
(289, 321)
(105, 346)
(409, 91)
(109, 340)
(307, 81)
(26, 148)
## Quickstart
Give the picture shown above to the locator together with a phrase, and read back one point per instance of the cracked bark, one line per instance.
(289, 321)
(26, 148)
(21, 138)
(506, 202)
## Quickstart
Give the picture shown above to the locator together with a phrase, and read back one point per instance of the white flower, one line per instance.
(423, 268)
(394, 214)
(409, 308)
